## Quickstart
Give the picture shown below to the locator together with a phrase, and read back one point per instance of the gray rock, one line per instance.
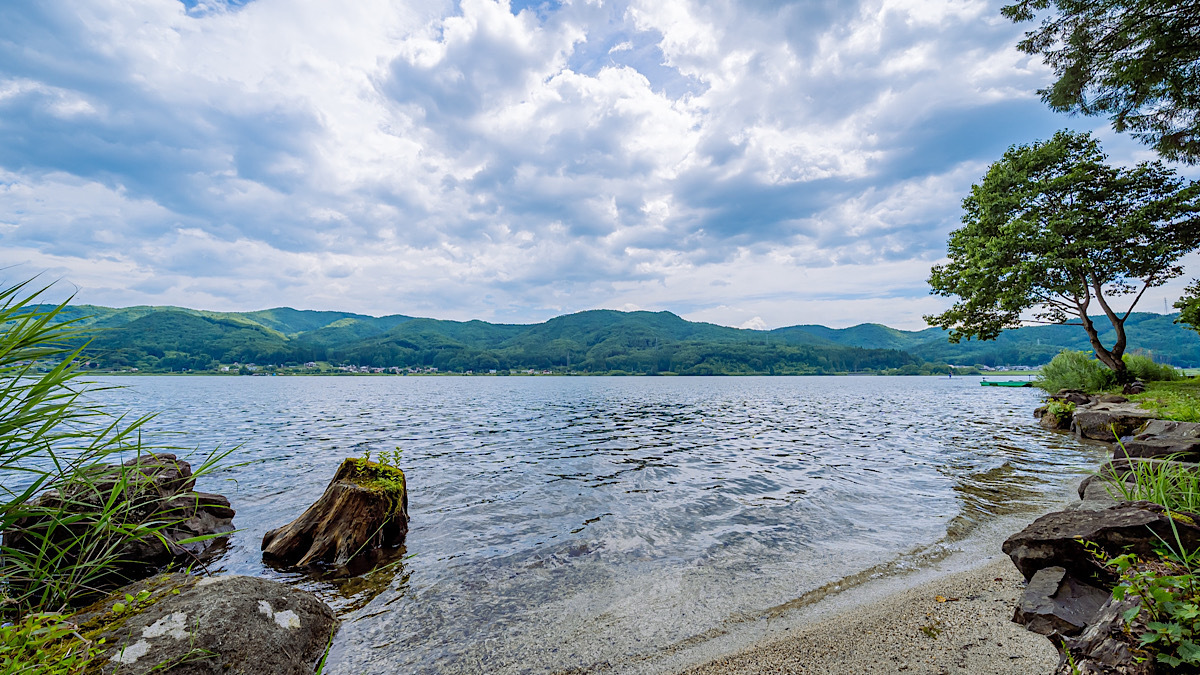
(1109, 421)
(1162, 438)
(1100, 649)
(1135, 387)
(1111, 398)
(185, 625)
(1055, 538)
(1075, 396)
(1096, 494)
(1056, 604)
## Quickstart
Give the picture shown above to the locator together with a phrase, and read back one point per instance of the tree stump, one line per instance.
(365, 507)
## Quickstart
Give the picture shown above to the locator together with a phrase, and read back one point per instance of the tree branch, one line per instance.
(1135, 300)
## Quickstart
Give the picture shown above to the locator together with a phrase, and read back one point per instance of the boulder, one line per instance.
(186, 625)
(1109, 421)
(1162, 438)
(1056, 604)
(153, 488)
(1111, 398)
(1055, 539)
(364, 508)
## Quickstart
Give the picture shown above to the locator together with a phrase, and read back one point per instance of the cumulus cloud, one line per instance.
(745, 162)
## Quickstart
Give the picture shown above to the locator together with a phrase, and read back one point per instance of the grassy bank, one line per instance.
(1178, 400)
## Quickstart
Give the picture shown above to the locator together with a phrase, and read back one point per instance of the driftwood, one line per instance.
(365, 507)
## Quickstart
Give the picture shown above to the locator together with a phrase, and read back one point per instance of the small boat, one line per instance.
(1005, 383)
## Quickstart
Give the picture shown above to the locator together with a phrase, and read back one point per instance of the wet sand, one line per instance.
(911, 631)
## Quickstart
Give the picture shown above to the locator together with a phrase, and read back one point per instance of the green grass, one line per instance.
(1173, 485)
(1178, 400)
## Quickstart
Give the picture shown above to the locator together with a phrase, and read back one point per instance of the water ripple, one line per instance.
(565, 522)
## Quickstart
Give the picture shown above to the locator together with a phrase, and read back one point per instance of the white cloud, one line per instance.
(732, 161)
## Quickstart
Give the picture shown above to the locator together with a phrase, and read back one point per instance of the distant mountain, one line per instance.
(176, 338)
(1156, 334)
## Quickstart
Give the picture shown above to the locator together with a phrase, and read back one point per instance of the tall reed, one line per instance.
(60, 550)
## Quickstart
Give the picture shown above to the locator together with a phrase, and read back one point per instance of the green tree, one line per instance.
(1052, 231)
(1189, 306)
(1136, 61)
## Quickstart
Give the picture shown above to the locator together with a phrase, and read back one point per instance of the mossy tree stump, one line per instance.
(364, 508)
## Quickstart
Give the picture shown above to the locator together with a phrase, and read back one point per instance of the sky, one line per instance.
(749, 163)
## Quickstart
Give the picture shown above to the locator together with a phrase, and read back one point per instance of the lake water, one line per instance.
(561, 523)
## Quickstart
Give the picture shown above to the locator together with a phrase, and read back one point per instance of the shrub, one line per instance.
(1075, 370)
(1145, 369)
(1167, 619)
(1060, 410)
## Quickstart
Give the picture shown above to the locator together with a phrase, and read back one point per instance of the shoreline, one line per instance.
(909, 631)
(877, 626)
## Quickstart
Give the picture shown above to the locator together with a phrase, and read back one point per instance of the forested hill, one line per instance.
(174, 338)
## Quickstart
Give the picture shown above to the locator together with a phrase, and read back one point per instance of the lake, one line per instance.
(571, 522)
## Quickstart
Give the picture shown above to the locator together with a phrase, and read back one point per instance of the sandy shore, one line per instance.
(911, 631)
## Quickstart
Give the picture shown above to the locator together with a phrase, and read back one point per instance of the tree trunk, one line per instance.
(1111, 358)
(365, 507)
(1115, 360)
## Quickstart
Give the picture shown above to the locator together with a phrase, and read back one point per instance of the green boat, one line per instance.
(1005, 383)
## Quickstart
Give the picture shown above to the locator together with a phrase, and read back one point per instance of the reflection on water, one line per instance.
(561, 523)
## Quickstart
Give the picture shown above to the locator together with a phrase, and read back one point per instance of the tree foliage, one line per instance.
(1053, 230)
(1189, 306)
(1136, 61)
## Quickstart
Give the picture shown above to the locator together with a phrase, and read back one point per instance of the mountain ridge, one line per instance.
(600, 339)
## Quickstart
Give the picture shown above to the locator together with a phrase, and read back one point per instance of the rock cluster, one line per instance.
(153, 488)
(1106, 417)
(1069, 594)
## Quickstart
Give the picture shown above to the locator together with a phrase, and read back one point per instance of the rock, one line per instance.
(1075, 396)
(1111, 398)
(1056, 604)
(1109, 421)
(1054, 422)
(1096, 494)
(1161, 438)
(1135, 387)
(1100, 649)
(365, 507)
(186, 625)
(1055, 538)
(1039, 411)
(154, 488)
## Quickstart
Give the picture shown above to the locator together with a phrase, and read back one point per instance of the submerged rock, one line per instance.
(185, 625)
(153, 488)
(365, 507)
